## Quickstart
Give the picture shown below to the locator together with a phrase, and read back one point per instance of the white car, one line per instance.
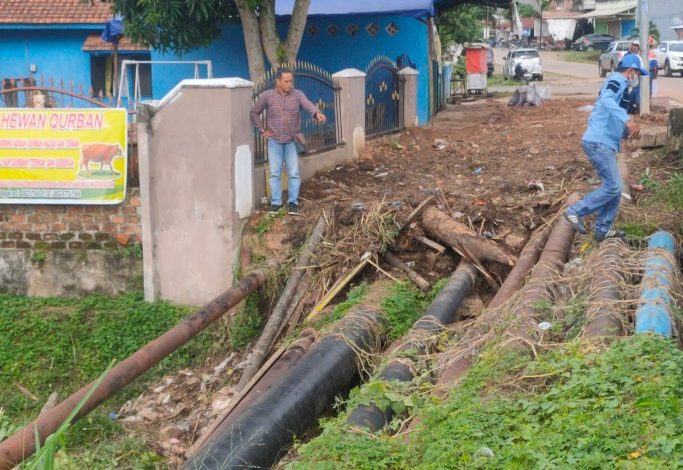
(670, 57)
(528, 59)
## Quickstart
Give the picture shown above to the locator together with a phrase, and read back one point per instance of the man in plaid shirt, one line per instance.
(283, 105)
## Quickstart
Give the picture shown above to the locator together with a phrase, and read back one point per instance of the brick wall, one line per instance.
(57, 227)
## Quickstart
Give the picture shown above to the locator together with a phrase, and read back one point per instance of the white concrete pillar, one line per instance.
(189, 182)
(409, 96)
(352, 103)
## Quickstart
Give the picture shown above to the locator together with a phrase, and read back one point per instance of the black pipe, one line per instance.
(256, 438)
(442, 311)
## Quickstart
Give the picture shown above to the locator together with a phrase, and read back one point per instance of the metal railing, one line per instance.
(125, 89)
(384, 91)
(28, 93)
(319, 86)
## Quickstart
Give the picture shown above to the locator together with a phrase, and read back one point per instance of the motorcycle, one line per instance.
(522, 74)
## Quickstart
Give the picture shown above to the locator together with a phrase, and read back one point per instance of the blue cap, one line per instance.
(631, 61)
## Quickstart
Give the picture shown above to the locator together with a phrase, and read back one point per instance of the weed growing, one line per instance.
(575, 407)
(51, 344)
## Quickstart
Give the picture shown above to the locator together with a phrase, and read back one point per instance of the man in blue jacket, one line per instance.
(607, 125)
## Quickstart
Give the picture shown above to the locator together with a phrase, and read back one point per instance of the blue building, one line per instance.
(60, 41)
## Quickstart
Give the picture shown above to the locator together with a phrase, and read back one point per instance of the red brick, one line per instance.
(50, 218)
(23, 244)
(50, 236)
(85, 236)
(67, 236)
(15, 236)
(93, 209)
(134, 202)
(102, 236)
(132, 219)
(40, 227)
(109, 228)
(74, 210)
(18, 218)
(7, 244)
(34, 236)
(42, 209)
(58, 227)
(24, 227)
(123, 238)
(58, 245)
(116, 219)
(86, 219)
(130, 211)
(74, 227)
(91, 227)
(70, 218)
(33, 218)
(58, 210)
(75, 245)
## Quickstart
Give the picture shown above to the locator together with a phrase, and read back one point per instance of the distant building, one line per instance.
(667, 15)
(617, 18)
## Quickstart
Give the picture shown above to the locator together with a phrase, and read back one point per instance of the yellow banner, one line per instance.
(63, 156)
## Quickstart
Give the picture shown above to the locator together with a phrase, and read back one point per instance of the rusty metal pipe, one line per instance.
(22, 444)
(606, 319)
(525, 263)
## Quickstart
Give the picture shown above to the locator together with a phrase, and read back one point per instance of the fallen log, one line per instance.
(272, 328)
(431, 244)
(419, 281)
(462, 238)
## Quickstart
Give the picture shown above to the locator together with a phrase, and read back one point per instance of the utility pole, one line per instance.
(644, 28)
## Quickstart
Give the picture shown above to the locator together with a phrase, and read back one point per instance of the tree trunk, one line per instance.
(269, 36)
(459, 235)
(297, 26)
(252, 39)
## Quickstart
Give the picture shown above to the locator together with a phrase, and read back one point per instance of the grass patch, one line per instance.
(572, 408)
(53, 344)
(266, 223)
(637, 230)
(246, 324)
(580, 56)
(404, 305)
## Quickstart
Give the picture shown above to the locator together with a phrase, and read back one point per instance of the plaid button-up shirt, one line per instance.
(284, 117)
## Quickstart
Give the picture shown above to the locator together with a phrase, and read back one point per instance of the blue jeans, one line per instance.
(277, 155)
(604, 200)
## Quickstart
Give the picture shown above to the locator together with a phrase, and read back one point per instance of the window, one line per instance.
(102, 74)
(676, 47)
(525, 54)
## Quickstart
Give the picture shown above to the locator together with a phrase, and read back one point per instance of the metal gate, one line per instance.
(383, 97)
(319, 87)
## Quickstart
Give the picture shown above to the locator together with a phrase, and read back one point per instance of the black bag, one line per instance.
(300, 144)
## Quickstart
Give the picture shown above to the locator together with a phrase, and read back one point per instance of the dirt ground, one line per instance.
(502, 171)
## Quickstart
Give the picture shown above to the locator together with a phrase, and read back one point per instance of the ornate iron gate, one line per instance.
(383, 97)
(319, 86)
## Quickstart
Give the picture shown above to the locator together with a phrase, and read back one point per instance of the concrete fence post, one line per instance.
(409, 96)
(352, 103)
(195, 182)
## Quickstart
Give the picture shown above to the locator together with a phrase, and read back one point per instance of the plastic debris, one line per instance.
(484, 453)
(478, 170)
(536, 184)
(440, 144)
(544, 326)
(585, 109)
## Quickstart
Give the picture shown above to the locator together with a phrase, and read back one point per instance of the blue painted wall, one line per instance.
(627, 27)
(56, 53)
(331, 52)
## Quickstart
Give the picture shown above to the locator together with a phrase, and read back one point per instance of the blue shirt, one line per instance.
(607, 122)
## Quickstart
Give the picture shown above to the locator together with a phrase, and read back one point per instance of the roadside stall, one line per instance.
(476, 69)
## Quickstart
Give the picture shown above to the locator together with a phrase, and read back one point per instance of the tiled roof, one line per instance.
(53, 12)
(95, 43)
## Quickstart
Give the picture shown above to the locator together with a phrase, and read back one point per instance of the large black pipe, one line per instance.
(442, 311)
(267, 428)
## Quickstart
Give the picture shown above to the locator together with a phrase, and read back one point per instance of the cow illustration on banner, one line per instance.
(63, 156)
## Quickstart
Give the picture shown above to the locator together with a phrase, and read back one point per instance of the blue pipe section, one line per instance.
(653, 315)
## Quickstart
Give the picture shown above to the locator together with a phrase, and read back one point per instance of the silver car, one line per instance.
(609, 59)
(529, 60)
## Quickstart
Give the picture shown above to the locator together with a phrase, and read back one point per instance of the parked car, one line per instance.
(529, 60)
(489, 62)
(609, 59)
(670, 57)
(593, 42)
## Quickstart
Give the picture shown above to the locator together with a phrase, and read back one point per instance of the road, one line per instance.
(572, 78)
